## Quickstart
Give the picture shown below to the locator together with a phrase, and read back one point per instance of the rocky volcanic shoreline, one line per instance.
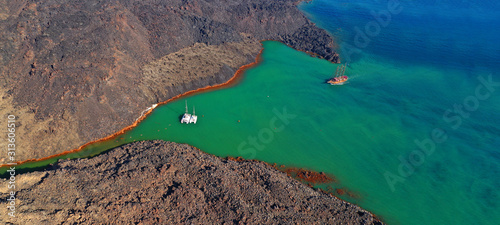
(77, 71)
(157, 182)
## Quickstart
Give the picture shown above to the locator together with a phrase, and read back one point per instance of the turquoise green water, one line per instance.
(288, 115)
(418, 63)
(356, 131)
(424, 61)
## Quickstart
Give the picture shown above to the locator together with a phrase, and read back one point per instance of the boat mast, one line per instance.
(186, 106)
(193, 110)
(342, 70)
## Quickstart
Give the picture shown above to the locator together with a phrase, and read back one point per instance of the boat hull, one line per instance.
(338, 80)
(186, 118)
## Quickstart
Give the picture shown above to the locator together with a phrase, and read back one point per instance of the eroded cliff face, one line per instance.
(76, 71)
(157, 182)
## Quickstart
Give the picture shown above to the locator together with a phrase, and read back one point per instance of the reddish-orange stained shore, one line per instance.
(309, 176)
(312, 177)
(234, 80)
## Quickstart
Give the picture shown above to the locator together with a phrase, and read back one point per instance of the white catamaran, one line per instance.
(189, 118)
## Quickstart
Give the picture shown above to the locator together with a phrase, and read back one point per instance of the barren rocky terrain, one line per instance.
(77, 71)
(157, 182)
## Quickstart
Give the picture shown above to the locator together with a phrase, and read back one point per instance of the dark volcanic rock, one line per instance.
(75, 67)
(312, 39)
(160, 182)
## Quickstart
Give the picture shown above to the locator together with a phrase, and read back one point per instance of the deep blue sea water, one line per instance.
(423, 68)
